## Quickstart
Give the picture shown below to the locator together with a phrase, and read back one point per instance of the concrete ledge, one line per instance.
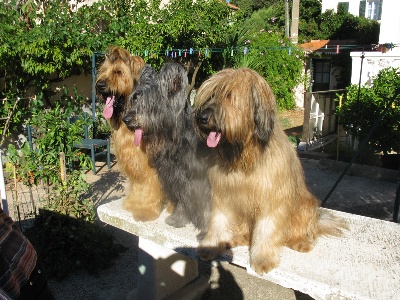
(363, 264)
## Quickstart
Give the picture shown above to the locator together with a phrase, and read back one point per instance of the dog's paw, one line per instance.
(207, 253)
(301, 245)
(264, 262)
(264, 265)
(145, 216)
(176, 221)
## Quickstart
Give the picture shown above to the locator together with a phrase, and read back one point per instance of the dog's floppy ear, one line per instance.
(264, 114)
(174, 79)
(137, 63)
(147, 74)
(176, 85)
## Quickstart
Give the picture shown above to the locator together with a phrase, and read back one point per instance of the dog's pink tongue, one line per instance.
(138, 137)
(109, 109)
(213, 139)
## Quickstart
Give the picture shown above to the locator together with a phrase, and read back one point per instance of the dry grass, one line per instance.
(291, 118)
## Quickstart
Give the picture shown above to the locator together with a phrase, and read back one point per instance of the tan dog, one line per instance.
(117, 78)
(259, 195)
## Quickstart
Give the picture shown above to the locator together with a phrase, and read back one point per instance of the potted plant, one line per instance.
(363, 107)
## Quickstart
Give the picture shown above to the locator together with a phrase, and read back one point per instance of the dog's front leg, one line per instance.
(178, 218)
(266, 244)
(218, 236)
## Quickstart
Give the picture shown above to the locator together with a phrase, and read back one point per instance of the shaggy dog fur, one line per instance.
(161, 117)
(259, 195)
(117, 78)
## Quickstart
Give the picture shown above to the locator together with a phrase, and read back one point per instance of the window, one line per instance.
(321, 75)
(361, 12)
(322, 71)
(343, 7)
(373, 9)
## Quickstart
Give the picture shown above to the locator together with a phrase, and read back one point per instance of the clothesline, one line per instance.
(187, 52)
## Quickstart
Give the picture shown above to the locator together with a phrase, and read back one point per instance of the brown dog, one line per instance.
(259, 195)
(117, 78)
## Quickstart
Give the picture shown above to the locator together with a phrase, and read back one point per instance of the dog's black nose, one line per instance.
(204, 116)
(100, 85)
(127, 119)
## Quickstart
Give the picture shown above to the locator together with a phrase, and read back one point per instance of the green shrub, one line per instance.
(66, 234)
(363, 106)
(273, 56)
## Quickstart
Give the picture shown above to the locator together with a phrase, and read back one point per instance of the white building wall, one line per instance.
(372, 63)
(375, 61)
(390, 22)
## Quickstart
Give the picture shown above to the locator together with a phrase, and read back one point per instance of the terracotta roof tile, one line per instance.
(314, 45)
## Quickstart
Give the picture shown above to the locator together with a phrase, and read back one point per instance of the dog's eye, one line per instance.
(117, 72)
(134, 97)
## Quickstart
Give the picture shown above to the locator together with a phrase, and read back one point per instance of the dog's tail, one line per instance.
(331, 225)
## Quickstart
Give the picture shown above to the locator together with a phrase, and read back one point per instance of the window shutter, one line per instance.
(361, 12)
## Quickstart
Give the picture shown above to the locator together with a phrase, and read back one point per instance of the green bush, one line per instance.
(65, 233)
(52, 134)
(363, 106)
(273, 56)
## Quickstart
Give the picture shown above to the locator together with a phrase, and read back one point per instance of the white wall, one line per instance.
(82, 83)
(375, 61)
(372, 63)
(390, 22)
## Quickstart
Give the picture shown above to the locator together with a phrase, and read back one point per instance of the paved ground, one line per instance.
(354, 194)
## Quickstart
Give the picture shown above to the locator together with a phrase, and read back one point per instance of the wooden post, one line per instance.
(306, 123)
(16, 197)
(295, 21)
(338, 130)
(287, 21)
(62, 167)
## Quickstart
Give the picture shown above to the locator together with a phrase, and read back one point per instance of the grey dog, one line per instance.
(162, 119)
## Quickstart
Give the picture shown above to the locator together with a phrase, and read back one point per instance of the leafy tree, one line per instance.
(40, 43)
(167, 33)
(43, 42)
(271, 18)
(313, 24)
(250, 6)
(135, 25)
(343, 25)
(310, 19)
(201, 25)
(272, 55)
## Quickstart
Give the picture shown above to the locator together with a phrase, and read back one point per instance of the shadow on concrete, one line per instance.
(222, 283)
(108, 187)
